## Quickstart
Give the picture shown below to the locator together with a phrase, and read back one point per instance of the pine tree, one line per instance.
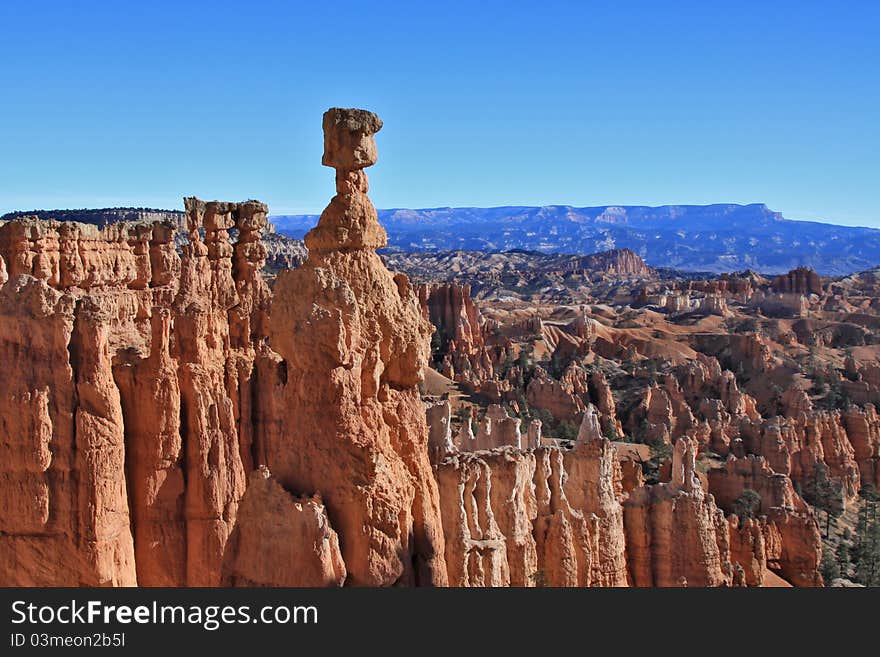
(825, 494)
(611, 431)
(828, 566)
(843, 558)
(747, 504)
(866, 551)
(867, 556)
(566, 431)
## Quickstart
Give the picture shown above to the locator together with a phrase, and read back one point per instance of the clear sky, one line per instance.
(484, 103)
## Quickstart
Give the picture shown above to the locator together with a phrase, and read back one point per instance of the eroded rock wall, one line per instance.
(139, 437)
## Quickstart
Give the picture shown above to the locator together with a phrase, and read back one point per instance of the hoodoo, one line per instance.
(354, 344)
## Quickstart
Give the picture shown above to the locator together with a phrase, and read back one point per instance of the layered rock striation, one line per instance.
(137, 438)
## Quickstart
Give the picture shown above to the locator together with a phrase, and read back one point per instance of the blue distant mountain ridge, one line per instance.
(715, 238)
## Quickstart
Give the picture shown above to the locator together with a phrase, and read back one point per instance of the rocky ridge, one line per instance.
(722, 237)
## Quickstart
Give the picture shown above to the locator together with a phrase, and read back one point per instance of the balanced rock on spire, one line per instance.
(350, 221)
(355, 344)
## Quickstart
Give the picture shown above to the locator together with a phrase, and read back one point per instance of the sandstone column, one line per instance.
(355, 343)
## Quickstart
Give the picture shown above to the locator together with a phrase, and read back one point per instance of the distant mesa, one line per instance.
(699, 238)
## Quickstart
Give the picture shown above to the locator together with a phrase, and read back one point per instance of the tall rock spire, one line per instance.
(354, 344)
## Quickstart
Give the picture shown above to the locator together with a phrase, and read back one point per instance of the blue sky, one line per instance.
(581, 103)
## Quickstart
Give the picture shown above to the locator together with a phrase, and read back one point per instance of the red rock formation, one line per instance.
(802, 280)
(678, 303)
(465, 440)
(770, 439)
(459, 341)
(632, 475)
(155, 452)
(748, 549)
(797, 545)
(566, 542)
(797, 443)
(475, 547)
(738, 286)
(439, 419)
(589, 429)
(276, 530)
(782, 304)
(67, 450)
(793, 529)
(354, 342)
(507, 519)
(675, 535)
(140, 387)
(64, 518)
(752, 472)
(583, 326)
(863, 431)
(748, 349)
(451, 310)
(533, 435)
(567, 398)
(513, 497)
(102, 514)
(616, 262)
(735, 401)
(497, 429)
(663, 413)
(594, 486)
(714, 304)
(837, 451)
(215, 472)
(600, 394)
(563, 398)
